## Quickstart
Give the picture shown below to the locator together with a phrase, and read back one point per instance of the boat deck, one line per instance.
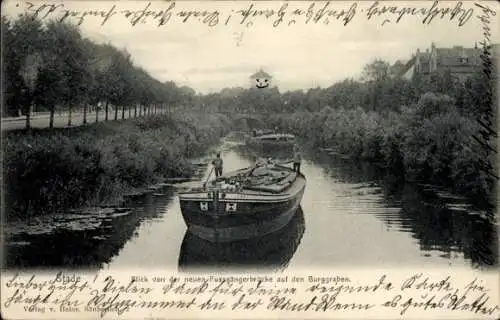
(264, 179)
(268, 182)
(276, 136)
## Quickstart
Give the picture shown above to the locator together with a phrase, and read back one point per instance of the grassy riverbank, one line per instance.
(49, 170)
(429, 142)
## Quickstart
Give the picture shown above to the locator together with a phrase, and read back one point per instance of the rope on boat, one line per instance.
(208, 177)
(240, 180)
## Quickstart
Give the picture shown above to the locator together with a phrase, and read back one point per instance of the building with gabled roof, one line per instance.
(402, 67)
(459, 61)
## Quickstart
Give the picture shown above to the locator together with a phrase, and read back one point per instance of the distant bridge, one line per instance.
(247, 120)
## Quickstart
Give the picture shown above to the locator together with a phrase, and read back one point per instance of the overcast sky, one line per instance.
(299, 56)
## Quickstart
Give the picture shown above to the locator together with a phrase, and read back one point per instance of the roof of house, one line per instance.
(402, 67)
(452, 57)
(447, 58)
(408, 65)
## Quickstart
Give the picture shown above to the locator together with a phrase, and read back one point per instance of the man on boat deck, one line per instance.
(217, 163)
(297, 159)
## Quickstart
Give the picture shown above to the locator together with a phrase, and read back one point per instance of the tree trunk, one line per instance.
(123, 112)
(85, 113)
(96, 113)
(116, 112)
(106, 109)
(129, 112)
(28, 117)
(69, 115)
(51, 119)
(135, 110)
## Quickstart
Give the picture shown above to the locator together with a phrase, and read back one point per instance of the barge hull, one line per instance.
(216, 228)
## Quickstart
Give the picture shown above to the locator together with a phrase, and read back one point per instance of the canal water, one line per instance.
(351, 215)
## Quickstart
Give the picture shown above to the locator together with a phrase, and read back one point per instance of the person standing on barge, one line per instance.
(297, 159)
(217, 163)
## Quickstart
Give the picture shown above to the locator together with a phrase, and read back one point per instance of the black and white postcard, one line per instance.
(249, 159)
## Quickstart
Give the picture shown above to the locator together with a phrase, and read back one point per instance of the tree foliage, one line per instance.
(377, 70)
(379, 90)
(421, 128)
(51, 65)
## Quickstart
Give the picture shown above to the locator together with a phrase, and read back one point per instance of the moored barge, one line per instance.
(242, 204)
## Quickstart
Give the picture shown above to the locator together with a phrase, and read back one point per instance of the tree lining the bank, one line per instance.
(51, 67)
(422, 129)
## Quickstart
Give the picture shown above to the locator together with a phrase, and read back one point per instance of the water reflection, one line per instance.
(443, 224)
(254, 153)
(344, 169)
(85, 239)
(377, 219)
(272, 251)
(448, 226)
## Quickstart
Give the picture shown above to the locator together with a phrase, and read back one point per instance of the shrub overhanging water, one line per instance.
(51, 170)
(429, 142)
